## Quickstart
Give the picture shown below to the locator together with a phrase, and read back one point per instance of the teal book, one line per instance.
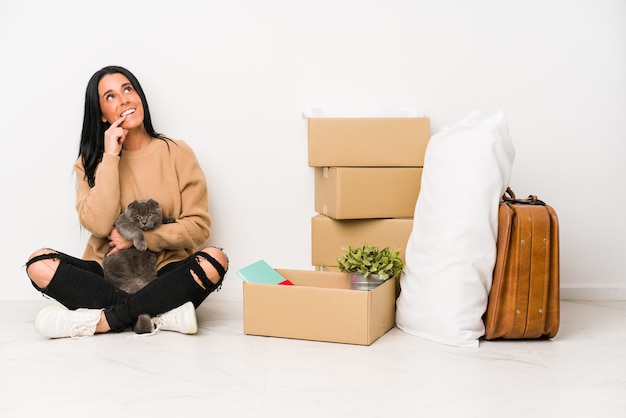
(260, 272)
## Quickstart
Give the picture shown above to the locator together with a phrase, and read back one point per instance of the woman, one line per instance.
(122, 158)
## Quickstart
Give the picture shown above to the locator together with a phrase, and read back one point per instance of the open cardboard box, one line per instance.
(320, 306)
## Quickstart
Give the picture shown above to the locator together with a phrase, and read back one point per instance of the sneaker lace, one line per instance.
(157, 323)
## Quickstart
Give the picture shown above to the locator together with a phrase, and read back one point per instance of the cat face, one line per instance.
(144, 214)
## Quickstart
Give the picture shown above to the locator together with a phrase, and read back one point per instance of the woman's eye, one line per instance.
(109, 97)
(128, 89)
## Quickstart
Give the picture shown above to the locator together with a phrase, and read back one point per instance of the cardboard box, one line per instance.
(328, 236)
(367, 192)
(319, 307)
(368, 142)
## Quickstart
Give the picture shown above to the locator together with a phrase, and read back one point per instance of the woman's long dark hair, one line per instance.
(92, 136)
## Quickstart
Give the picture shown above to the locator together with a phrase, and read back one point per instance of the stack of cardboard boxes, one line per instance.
(367, 178)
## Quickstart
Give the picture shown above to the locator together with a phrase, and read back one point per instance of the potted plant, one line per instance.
(368, 266)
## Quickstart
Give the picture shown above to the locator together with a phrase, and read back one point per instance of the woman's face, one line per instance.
(118, 99)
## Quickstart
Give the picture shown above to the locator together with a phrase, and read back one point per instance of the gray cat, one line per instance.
(133, 268)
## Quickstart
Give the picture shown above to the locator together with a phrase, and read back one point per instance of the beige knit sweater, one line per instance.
(165, 171)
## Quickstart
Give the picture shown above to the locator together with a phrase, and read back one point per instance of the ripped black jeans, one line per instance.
(80, 284)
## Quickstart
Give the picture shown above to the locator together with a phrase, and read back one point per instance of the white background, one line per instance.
(233, 77)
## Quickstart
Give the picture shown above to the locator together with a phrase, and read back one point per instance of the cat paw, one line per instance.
(141, 245)
(143, 324)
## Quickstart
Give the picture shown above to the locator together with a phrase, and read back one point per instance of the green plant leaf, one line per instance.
(368, 259)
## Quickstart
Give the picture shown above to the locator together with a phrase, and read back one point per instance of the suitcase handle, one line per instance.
(509, 197)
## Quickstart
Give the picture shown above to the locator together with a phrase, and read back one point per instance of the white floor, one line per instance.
(221, 372)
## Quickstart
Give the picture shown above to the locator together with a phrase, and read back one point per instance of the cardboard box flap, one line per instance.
(331, 280)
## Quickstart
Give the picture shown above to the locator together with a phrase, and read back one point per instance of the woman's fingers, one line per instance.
(114, 137)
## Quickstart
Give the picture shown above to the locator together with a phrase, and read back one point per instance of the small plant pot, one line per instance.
(358, 282)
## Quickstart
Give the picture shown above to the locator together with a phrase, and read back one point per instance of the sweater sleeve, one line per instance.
(98, 206)
(193, 224)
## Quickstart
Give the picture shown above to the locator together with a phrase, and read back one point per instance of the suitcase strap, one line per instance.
(533, 232)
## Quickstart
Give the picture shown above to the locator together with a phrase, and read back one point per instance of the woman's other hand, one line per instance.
(117, 242)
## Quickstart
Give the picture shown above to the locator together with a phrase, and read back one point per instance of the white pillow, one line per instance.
(451, 251)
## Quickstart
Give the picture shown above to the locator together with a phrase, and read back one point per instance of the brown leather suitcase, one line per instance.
(524, 296)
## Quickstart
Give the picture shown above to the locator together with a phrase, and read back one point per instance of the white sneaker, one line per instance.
(181, 319)
(59, 322)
